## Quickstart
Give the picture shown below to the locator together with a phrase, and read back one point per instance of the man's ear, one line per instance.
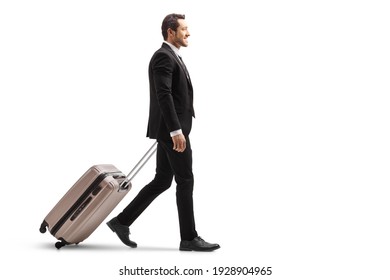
(171, 32)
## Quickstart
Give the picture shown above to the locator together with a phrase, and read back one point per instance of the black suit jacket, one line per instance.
(171, 95)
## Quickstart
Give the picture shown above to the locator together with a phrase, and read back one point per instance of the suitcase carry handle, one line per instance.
(127, 181)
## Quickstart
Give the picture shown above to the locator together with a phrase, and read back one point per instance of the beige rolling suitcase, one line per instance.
(89, 201)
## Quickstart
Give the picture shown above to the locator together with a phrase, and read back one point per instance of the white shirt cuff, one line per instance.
(176, 132)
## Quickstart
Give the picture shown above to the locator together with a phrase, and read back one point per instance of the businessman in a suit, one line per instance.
(170, 120)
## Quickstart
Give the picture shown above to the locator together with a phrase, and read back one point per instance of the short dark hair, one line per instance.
(170, 21)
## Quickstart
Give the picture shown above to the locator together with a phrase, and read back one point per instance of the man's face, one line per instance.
(180, 36)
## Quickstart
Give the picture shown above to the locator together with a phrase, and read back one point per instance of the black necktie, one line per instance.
(185, 68)
(188, 76)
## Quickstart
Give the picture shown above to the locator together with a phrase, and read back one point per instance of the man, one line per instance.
(170, 120)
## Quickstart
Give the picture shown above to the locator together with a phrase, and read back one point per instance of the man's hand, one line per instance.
(179, 143)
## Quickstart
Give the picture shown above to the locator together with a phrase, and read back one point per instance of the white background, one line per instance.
(291, 140)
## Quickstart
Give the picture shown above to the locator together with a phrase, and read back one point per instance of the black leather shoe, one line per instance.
(122, 231)
(198, 244)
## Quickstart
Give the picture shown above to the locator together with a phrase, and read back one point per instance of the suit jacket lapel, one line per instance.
(178, 61)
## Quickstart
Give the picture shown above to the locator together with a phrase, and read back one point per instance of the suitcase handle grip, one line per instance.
(127, 181)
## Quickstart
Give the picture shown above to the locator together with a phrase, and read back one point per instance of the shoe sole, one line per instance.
(185, 249)
(206, 250)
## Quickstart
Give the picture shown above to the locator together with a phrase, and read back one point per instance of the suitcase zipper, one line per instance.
(76, 205)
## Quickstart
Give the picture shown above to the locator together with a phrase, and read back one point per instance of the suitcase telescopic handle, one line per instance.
(125, 184)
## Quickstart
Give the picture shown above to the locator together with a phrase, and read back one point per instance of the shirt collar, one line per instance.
(175, 50)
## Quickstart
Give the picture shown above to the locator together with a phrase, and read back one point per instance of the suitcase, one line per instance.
(89, 201)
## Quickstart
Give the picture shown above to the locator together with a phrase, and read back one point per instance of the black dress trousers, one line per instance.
(169, 164)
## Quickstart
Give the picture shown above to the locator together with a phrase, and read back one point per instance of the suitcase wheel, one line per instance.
(42, 229)
(60, 244)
